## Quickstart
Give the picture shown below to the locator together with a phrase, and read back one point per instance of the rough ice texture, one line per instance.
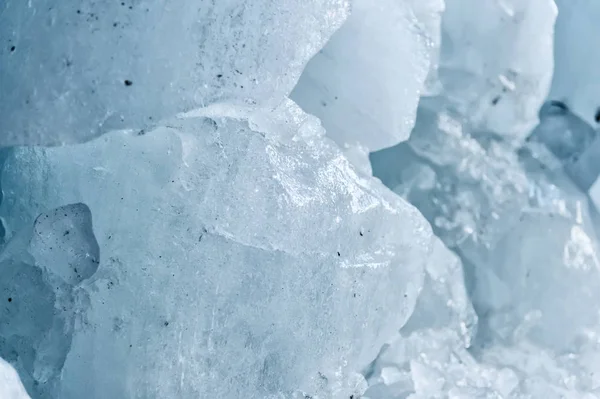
(571, 141)
(528, 241)
(576, 81)
(10, 385)
(233, 265)
(71, 70)
(366, 82)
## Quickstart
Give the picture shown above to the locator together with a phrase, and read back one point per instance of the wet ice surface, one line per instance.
(234, 247)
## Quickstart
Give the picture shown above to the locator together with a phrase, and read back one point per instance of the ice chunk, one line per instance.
(576, 79)
(468, 191)
(366, 82)
(496, 69)
(10, 384)
(39, 269)
(72, 70)
(527, 238)
(443, 303)
(570, 139)
(530, 279)
(64, 241)
(489, 96)
(233, 264)
(525, 232)
(443, 313)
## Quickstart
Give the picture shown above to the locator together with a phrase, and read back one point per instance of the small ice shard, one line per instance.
(365, 83)
(10, 384)
(233, 264)
(70, 71)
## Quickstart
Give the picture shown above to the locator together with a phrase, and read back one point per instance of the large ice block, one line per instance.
(10, 385)
(576, 79)
(232, 264)
(71, 70)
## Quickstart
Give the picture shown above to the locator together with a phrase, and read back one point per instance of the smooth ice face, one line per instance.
(526, 233)
(232, 265)
(365, 83)
(72, 70)
(496, 68)
(10, 384)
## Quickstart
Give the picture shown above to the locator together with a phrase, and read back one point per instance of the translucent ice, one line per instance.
(576, 79)
(40, 268)
(233, 265)
(516, 215)
(571, 140)
(366, 82)
(72, 70)
(575, 83)
(222, 244)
